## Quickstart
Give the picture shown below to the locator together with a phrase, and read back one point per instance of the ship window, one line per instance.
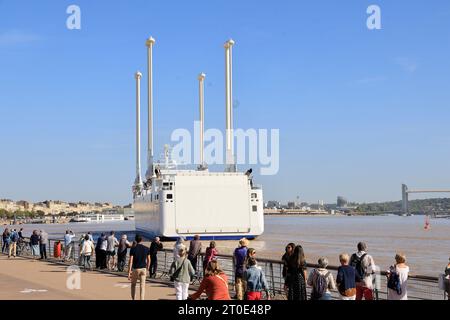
(255, 208)
(165, 184)
(169, 196)
(254, 196)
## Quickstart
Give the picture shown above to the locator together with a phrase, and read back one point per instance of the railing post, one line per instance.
(272, 277)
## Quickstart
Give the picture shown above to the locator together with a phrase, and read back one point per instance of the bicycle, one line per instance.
(23, 248)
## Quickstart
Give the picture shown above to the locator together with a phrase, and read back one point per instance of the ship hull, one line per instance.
(215, 206)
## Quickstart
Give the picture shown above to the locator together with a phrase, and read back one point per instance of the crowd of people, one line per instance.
(14, 243)
(354, 279)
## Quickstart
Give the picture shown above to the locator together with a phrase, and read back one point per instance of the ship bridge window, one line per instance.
(254, 196)
(169, 196)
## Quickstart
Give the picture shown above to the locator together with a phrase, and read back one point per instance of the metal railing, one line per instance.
(419, 287)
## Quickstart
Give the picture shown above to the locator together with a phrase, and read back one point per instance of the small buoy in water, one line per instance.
(427, 223)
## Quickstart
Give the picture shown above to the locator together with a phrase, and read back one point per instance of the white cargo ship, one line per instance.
(175, 203)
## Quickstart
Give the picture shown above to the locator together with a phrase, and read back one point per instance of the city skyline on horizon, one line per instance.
(359, 111)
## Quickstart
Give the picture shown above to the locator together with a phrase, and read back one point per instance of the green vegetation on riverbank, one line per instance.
(21, 214)
(423, 206)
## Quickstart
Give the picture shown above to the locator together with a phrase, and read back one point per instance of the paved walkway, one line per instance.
(25, 279)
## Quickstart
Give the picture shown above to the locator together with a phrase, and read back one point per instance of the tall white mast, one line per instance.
(138, 181)
(230, 163)
(150, 172)
(201, 102)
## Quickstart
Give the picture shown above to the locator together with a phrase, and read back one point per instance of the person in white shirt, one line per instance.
(402, 271)
(177, 247)
(68, 244)
(86, 252)
(111, 251)
(365, 267)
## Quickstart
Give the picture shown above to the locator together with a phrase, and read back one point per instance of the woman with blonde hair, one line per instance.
(181, 272)
(214, 283)
(398, 279)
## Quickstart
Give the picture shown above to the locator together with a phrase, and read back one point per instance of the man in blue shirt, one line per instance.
(68, 244)
(239, 256)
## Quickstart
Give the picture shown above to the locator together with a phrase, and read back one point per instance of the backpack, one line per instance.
(394, 281)
(14, 237)
(319, 285)
(356, 262)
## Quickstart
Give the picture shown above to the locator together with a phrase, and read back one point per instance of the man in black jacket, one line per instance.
(195, 248)
(155, 246)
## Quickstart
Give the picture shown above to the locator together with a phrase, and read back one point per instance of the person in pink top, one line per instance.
(210, 254)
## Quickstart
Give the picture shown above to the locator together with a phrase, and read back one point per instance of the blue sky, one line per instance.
(359, 111)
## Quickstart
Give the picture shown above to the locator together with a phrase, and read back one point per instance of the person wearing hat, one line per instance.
(239, 258)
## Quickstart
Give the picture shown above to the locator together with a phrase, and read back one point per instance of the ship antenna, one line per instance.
(230, 163)
(201, 91)
(138, 181)
(150, 172)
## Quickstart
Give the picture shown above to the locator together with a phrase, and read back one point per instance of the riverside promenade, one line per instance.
(102, 284)
(26, 279)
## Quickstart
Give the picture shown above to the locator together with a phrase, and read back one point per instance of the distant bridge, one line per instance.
(406, 192)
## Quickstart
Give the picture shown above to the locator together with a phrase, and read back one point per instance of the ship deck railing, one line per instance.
(420, 287)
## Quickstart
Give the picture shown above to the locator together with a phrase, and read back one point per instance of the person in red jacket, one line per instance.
(215, 284)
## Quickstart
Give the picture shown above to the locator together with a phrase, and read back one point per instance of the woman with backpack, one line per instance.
(398, 279)
(181, 272)
(296, 275)
(321, 280)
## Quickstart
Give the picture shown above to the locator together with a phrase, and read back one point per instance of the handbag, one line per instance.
(177, 272)
(444, 282)
(222, 280)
